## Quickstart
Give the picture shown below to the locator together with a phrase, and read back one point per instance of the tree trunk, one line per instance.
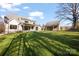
(74, 25)
(74, 16)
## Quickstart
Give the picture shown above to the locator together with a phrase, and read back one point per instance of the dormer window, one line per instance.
(26, 21)
(33, 22)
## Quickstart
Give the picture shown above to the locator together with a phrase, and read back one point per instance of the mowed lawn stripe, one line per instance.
(64, 51)
(44, 44)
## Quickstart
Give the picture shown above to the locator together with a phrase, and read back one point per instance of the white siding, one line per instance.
(6, 28)
(16, 20)
(19, 27)
(13, 22)
(39, 28)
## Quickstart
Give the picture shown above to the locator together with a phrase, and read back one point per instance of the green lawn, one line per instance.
(45, 43)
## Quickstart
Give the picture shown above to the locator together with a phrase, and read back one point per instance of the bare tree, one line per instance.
(69, 11)
(2, 27)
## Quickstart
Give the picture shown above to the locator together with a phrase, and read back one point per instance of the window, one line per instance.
(36, 28)
(13, 26)
(26, 21)
(32, 27)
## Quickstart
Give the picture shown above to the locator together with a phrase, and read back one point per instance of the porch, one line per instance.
(28, 27)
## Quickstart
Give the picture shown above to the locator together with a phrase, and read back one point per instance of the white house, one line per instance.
(15, 23)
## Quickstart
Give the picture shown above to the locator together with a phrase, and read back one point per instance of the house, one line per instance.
(52, 26)
(65, 28)
(14, 23)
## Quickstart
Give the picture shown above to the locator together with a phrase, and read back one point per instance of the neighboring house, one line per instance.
(15, 23)
(52, 26)
(65, 28)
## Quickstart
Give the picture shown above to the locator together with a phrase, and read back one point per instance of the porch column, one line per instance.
(30, 28)
(23, 27)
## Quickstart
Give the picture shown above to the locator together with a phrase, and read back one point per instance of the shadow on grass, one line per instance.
(42, 44)
(51, 48)
(18, 47)
(70, 40)
(65, 40)
(14, 47)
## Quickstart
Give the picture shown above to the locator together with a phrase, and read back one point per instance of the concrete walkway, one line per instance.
(1, 34)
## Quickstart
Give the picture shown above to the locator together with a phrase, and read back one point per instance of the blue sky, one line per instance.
(40, 12)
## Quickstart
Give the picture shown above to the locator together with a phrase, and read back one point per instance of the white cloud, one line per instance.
(2, 16)
(26, 7)
(8, 6)
(16, 9)
(42, 17)
(37, 14)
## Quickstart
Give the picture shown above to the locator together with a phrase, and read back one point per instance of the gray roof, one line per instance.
(52, 23)
(10, 17)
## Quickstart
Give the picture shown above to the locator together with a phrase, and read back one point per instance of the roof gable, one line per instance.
(52, 23)
(18, 18)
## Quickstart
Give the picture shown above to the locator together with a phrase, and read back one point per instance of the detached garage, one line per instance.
(52, 25)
